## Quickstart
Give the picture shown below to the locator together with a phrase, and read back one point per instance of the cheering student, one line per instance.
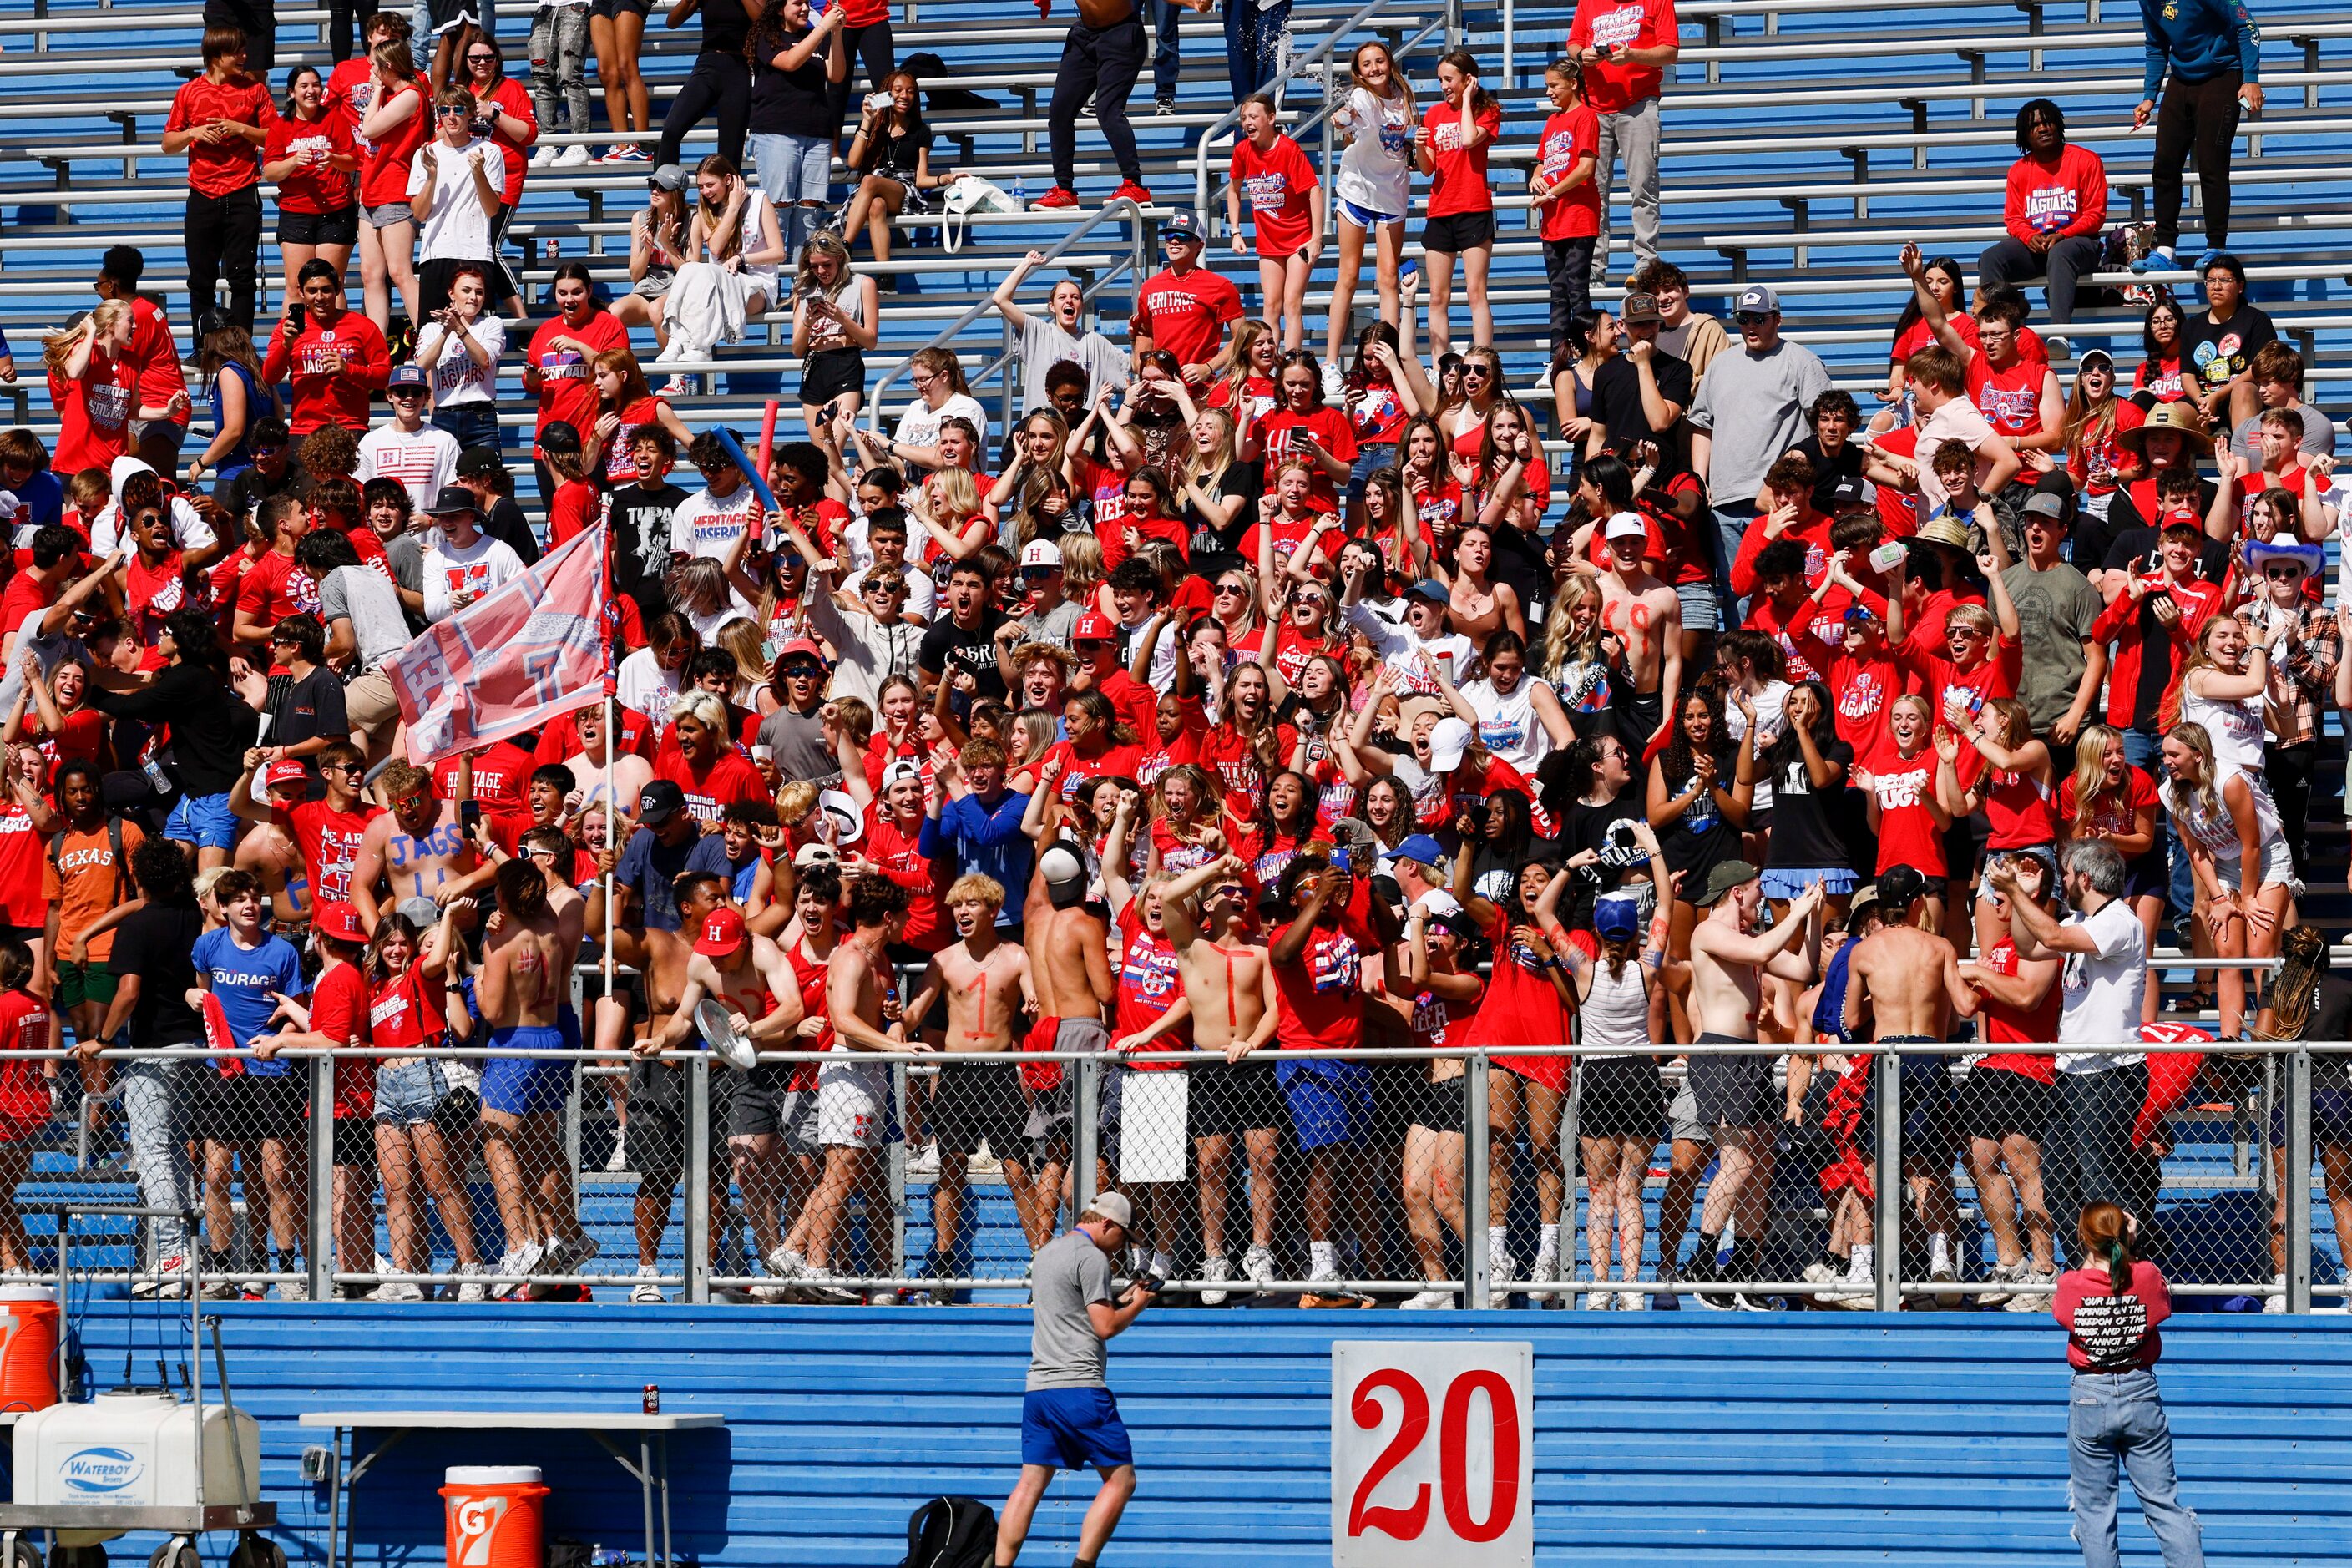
(1280, 183)
(220, 120)
(310, 158)
(1102, 56)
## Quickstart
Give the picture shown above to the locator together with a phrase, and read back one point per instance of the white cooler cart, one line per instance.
(138, 1460)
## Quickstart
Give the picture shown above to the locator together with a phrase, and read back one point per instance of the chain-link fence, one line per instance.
(1914, 1176)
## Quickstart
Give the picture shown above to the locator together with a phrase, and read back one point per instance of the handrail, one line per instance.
(1451, 20)
(1125, 207)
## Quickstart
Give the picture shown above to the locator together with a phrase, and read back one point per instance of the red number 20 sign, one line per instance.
(1433, 1454)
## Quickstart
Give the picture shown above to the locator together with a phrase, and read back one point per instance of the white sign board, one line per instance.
(1433, 1454)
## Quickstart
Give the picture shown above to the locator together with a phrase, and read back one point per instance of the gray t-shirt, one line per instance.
(405, 552)
(1055, 626)
(2054, 612)
(1042, 342)
(2318, 435)
(361, 595)
(801, 751)
(1071, 1273)
(1753, 406)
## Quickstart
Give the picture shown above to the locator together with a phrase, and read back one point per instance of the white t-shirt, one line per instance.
(644, 687)
(457, 379)
(478, 568)
(1769, 704)
(919, 425)
(458, 229)
(2103, 990)
(1960, 420)
(424, 460)
(189, 529)
(1376, 170)
(706, 525)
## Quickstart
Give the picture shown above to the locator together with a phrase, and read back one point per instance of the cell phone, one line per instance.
(300, 314)
(469, 815)
(878, 100)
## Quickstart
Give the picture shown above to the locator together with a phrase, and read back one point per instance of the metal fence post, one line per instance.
(1475, 1265)
(1887, 1224)
(1086, 1092)
(2296, 1187)
(898, 1176)
(322, 1179)
(698, 1177)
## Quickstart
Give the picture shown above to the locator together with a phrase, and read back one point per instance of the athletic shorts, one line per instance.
(246, 1108)
(204, 820)
(341, 227)
(1791, 884)
(1623, 1098)
(1930, 1121)
(1227, 1102)
(976, 1102)
(1438, 1106)
(80, 983)
(355, 1142)
(1330, 1101)
(829, 374)
(755, 1104)
(1997, 1102)
(1461, 231)
(526, 1086)
(796, 1123)
(1734, 1090)
(2331, 1118)
(1365, 218)
(1700, 612)
(1682, 1118)
(853, 1106)
(388, 215)
(1073, 1429)
(608, 9)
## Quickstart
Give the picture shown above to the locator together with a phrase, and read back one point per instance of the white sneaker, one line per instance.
(1543, 1271)
(572, 157)
(469, 1284)
(514, 1261)
(544, 157)
(785, 1263)
(1501, 1269)
(2033, 1290)
(2002, 1280)
(1599, 1299)
(618, 1159)
(924, 1164)
(678, 386)
(566, 1255)
(1429, 1300)
(1334, 386)
(293, 1290)
(647, 1293)
(2273, 1306)
(1214, 1272)
(1258, 1264)
(397, 1290)
(821, 1281)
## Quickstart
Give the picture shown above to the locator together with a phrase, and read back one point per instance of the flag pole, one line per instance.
(611, 614)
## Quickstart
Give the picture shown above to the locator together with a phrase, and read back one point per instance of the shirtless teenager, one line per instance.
(519, 989)
(985, 983)
(749, 976)
(861, 996)
(1646, 616)
(417, 851)
(1221, 959)
(1069, 969)
(630, 771)
(1909, 979)
(1733, 1093)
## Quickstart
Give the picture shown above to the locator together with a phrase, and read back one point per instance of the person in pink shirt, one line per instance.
(2056, 213)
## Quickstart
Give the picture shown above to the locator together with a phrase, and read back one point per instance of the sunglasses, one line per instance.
(1230, 590)
(801, 672)
(2282, 573)
(400, 394)
(451, 111)
(1090, 643)
(340, 768)
(1752, 318)
(419, 798)
(1037, 574)
(481, 59)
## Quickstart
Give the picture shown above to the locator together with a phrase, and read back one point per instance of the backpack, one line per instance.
(950, 1532)
(114, 840)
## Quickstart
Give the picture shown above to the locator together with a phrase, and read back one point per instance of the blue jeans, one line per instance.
(155, 1113)
(1254, 40)
(1731, 525)
(1168, 48)
(473, 424)
(2118, 1418)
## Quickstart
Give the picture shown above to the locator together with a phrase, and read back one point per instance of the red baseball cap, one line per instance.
(799, 646)
(336, 920)
(1094, 626)
(284, 772)
(722, 933)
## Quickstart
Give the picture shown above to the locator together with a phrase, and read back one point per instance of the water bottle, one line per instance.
(1021, 193)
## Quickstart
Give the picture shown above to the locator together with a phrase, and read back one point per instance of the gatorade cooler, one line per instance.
(494, 1516)
(29, 1348)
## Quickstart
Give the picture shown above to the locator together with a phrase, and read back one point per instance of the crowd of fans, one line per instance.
(1239, 698)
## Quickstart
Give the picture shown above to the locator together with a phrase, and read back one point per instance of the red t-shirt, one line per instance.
(2070, 199)
(2007, 1025)
(322, 396)
(22, 862)
(312, 187)
(1898, 510)
(1328, 428)
(2011, 399)
(1188, 315)
(405, 1012)
(1568, 136)
(1147, 984)
(340, 1009)
(620, 458)
(1635, 23)
(899, 855)
(218, 168)
(384, 173)
(1457, 183)
(2018, 811)
(710, 791)
(1321, 997)
(1907, 834)
(1939, 676)
(93, 414)
(2115, 813)
(2110, 1332)
(502, 779)
(1275, 185)
(1079, 768)
(567, 384)
(351, 93)
(275, 588)
(24, 1097)
(1860, 689)
(330, 842)
(1375, 413)
(511, 98)
(155, 357)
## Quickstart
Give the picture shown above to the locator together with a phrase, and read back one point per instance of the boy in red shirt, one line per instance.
(220, 120)
(1623, 47)
(2055, 211)
(2283, 468)
(1567, 190)
(1184, 308)
(334, 356)
(1280, 183)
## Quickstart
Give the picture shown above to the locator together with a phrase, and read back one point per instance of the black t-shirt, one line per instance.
(725, 26)
(1804, 830)
(507, 522)
(240, 494)
(641, 543)
(2331, 1016)
(1246, 480)
(305, 709)
(1830, 472)
(947, 647)
(1617, 401)
(791, 102)
(1584, 827)
(2217, 352)
(158, 944)
(1519, 560)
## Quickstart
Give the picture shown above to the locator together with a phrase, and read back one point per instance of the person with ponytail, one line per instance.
(2112, 1308)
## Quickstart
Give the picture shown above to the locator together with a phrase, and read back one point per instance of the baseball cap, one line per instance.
(1847, 492)
(2083, 361)
(1041, 553)
(2043, 503)
(1447, 741)
(284, 772)
(809, 855)
(408, 375)
(900, 772)
(1756, 299)
(561, 436)
(797, 647)
(453, 500)
(722, 933)
(1458, 920)
(1433, 590)
(1422, 847)
(669, 177)
(1899, 888)
(481, 463)
(337, 920)
(1093, 627)
(1617, 918)
(1625, 525)
(1726, 875)
(1114, 1207)
(1182, 223)
(1639, 307)
(659, 801)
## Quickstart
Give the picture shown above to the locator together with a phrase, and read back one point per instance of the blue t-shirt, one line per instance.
(648, 866)
(243, 978)
(40, 501)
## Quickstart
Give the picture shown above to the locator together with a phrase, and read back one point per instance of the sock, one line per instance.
(1940, 1252)
(1548, 1244)
(1322, 1256)
(1865, 1261)
(1162, 1265)
(1497, 1242)
(1710, 1249)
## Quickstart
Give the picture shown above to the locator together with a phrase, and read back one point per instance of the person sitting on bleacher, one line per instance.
(2056, 209)
(2278, 372)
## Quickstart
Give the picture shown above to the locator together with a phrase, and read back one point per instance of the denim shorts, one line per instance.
(1700, 612)
(204, 820)
(1370, 459)
(792, 168)
(388, 213)
(407, 1092)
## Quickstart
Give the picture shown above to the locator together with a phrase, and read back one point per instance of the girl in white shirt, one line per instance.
(459, 349)
(1378, 121)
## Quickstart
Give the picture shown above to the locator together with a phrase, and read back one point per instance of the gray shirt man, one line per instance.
(1070, 1274)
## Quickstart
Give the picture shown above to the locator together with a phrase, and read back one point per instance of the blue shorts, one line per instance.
(1330, 1101)
(1365, 218)
(1780, 883)
(203, 820)
(1700, 612)
(407, 1092)
(526, 1086)
(1073, 1429)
